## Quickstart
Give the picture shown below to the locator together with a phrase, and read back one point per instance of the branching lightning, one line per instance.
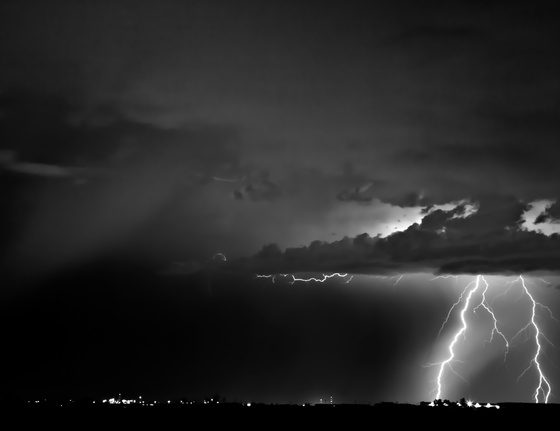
(453, 306)
(447, 363)
(484, 304)
(473, 297)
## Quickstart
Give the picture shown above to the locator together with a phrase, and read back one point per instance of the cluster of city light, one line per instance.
(140, 401)
(468, 404)
(124, 401)
(121, 401)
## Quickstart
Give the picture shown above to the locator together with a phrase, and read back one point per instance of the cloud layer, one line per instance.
(489, 241)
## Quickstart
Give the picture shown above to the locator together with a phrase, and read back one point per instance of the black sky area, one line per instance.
(156, 155)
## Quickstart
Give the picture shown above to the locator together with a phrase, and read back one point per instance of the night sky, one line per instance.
(156, 156)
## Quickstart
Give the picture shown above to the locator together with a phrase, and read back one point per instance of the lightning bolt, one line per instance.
(509, 284)
(453, 307)
(447, 362)
(474, 297)
(544, 384)
(306, 280)
(318, 280)
(484, 304)
(326, 277)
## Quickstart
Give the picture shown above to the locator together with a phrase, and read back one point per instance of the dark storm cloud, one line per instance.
(46, 130)
(398, 103)
(359, 194)
(382, 192)
(511, 266)
(256, 191)
(488, 241)
(117, 180)
(377, 190)
(9, 161)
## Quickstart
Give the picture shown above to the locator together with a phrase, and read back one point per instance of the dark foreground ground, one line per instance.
(275, 416)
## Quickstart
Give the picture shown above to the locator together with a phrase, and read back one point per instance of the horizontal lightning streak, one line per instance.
(318, 280)
(306, 280)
